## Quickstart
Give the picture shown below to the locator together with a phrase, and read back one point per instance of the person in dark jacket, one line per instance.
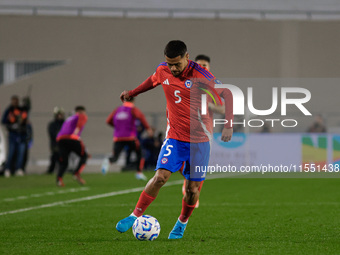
(53, 129)
(15, 120)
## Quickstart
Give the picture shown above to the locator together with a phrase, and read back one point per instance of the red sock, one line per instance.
(141, 165)
(143, 202)
(186, 211)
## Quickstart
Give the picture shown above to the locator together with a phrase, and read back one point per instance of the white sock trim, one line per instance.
(132, 214)
(182, 221)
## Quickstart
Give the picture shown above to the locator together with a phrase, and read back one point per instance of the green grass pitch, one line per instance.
(236, 216)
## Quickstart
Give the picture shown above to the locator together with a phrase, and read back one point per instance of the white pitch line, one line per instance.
(22, 197)
(9, 199)
(36, 195)
(111, 194)
(50, 193)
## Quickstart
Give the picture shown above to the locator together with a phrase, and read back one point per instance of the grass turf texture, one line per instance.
(236, 216)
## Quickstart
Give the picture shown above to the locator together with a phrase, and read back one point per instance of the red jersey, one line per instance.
(184, 119)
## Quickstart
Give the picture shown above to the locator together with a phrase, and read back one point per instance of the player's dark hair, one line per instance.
(202, 57)
(79, 108)
(175, 48)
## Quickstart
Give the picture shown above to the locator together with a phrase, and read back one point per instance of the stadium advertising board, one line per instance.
(264, 153)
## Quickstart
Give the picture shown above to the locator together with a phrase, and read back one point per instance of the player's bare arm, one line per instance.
(227, 131)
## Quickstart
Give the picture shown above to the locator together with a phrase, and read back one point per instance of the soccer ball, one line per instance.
(146, 227)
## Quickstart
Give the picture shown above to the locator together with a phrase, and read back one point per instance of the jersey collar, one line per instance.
(188, 67)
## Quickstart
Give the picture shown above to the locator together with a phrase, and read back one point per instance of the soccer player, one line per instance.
(69, 141)
(53, 129)
(204, 61)
(122, 119)
(181, 145)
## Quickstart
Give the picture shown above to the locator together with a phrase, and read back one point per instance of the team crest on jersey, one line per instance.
(164, 160)
(188, 84)
(217, 81)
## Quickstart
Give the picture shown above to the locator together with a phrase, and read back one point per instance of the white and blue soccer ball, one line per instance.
(145, 228)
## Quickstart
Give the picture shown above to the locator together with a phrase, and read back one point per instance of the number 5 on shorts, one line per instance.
(168, 150)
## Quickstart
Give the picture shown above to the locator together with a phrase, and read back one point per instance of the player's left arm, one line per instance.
(80, 124)
(227, 131)
(150, 83)
(145, 86)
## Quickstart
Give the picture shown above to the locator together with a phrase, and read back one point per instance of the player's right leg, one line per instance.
(185, 183)
(79, 148)
(188, 205)
(146, 198)
(199, 156)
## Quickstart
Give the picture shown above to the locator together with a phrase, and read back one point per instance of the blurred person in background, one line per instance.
(149, 150)
(26, 104)
(53, 129)
(68, 140)
(203, 61)
(140, 130)
(318, 125)
(122, 119)
(15, 120)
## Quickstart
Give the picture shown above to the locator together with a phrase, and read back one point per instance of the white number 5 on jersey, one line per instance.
(177, 96)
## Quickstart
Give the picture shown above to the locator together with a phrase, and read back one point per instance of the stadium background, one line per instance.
(86, 52)
(105, 47)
